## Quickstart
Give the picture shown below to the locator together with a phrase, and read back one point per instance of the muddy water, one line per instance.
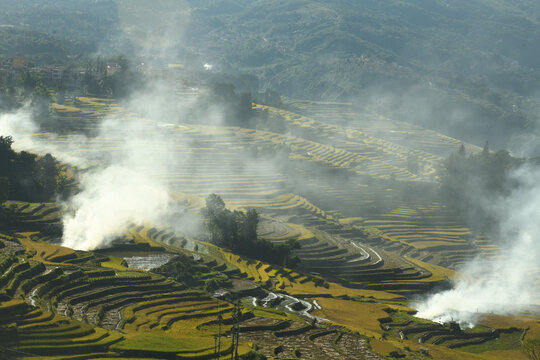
(147, 262)
(288, 301)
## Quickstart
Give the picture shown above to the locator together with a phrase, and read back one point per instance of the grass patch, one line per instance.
(161, 343)
(361, 317)
(115, 263)
(510, 341)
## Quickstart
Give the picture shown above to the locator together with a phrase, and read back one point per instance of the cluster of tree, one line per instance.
(243, 83)
(269, 97)
(118, 85)
(8, 101)
(27, 177)
(95, 81)
(27, 88)
(31, 88)
(193, 273)
(236, 108)
(237, 231)
(468, 184)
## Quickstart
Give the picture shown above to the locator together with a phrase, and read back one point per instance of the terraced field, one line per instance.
(75, 308)
(338, 173)
(374, 124)
(339, 181)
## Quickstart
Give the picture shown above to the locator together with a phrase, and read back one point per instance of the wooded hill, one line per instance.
(470, 65)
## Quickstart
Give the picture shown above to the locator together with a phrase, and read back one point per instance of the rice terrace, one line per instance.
(176, 183)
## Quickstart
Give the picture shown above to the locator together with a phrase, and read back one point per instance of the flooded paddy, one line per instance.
(147, 261)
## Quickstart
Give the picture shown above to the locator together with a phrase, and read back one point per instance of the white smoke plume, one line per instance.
(123, 190)
(27, 136)
(17, 124)
(110, 200)
(126, 159)
(508, 284)
(127, 188)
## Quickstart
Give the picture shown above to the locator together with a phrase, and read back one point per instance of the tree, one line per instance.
(236, 107)
(25, 185)
(29, 179)
(6, 154)
(461, 151)
(220, 320)
(463, 179)
(236, 317)
(4, 193)
(60, 93)
(214, 203)
(485, 150)
(247, 226)
(47, 174)
(27, 82)
(4, 189)
(219, 222)
(237, 230)
(123, 62)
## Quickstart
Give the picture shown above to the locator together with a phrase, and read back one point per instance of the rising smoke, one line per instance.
(507, 284)
(17, 125)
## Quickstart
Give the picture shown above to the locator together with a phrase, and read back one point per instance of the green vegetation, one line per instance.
(185, 269)
(465, 179)
(37, 46)
(26, 176)
(371, 50)
(477, 76)
(119, 85)
(54, 31)
(237, 231)
(235, 107)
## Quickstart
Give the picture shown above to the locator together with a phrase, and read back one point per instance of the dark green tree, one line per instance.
(4, 189)
(47, 175)
(461, 151)
(237, 230)
(466, 180)
(6, 155)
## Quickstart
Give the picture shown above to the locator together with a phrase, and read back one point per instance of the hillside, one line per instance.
(469, 64)
(466, 64)
(91, 305)
(373, 238)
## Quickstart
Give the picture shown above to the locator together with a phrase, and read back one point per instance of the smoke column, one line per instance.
(508, 284)
(122, 191)
(123, 185)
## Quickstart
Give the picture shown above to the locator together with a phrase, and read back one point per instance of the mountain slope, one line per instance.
(466, 68)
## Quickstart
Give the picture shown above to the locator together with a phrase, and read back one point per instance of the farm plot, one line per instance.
(326, 146)
(32, 332)
(87, 300)
(143, 315)
(377, 125)
(306, 182)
